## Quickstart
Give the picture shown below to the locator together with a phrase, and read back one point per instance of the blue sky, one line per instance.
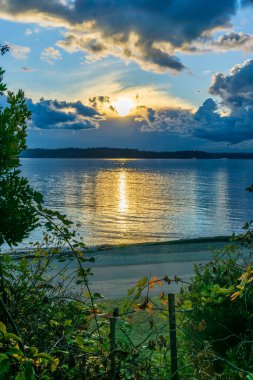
(133, 73)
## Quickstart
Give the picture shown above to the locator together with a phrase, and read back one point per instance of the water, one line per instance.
(129, 201)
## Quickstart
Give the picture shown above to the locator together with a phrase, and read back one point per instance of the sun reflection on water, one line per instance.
(123, 201)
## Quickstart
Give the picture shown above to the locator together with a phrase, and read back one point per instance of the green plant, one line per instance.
(23, 364)
(18, 200)
(217, 322)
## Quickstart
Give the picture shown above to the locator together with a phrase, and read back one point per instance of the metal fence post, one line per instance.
(173, 336)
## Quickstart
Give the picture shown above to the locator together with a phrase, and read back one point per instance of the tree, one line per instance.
(18, 201)
(4, 49)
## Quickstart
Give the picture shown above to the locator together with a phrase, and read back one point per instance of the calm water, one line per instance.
(127, 201)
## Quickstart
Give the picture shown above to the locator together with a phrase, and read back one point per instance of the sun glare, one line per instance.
(123, 106)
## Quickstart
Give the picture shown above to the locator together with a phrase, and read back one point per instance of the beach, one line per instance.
(118, 268)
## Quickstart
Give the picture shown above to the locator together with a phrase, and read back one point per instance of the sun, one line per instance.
(123, 106)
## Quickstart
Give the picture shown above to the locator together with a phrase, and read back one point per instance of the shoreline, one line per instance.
(118, 268)
(197, 240)
(97, 249)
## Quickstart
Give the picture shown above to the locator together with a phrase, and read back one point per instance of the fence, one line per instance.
(114, 320)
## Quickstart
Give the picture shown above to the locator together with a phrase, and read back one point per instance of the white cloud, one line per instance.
(28, 31)
(19, 52)
(50, 55)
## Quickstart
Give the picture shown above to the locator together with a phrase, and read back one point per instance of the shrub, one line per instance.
(218, 325)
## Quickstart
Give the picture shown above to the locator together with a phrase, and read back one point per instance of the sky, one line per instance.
(145, 74)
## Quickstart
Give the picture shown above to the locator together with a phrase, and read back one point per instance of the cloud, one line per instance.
(96, 46)
(54, 114)
(103, 105)
(27, 69)
(30, 31)
(234, 126)
(19, 52)
(236, 93)
(235, 41)
(143, 31)
(228, 41)
(236, 88)
(173, 120)
(50, 55)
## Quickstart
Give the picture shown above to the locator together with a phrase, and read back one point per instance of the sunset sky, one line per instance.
(154, 75)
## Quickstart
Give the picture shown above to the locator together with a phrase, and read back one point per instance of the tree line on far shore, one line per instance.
(129, 153)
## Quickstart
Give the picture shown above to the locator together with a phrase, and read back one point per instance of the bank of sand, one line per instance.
(118, 268)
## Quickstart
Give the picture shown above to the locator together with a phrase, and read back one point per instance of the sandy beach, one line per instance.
(118, 268)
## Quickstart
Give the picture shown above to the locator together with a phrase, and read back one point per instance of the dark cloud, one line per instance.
(174, 20)
(102, 104)
(236, 93)
(130, 29)
(173, 120)
(158, 57)
(54, 114)
(233, 126)
(96, 100)
(235, 89)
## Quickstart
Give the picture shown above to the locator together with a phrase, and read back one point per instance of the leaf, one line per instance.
(187, 305)
(2, 328)
(80, 340)
(235, 295)
(67, 323)
(14, 351)
(153, 282)
(131, 291)
(20, 376)
(34, 350)
(54, 323)
(4, 363)
(13, 337)
(48, 357)
(3, 357)
(29, 370)
(98, 295)
(55, 364)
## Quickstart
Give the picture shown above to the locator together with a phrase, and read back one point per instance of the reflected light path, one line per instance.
(123, 202)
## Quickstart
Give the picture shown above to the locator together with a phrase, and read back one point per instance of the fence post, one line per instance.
(173, 336)
(113, 321)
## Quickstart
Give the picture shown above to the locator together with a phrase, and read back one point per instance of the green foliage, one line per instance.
(27, 364)
(217, 324)
(52, 320)
(4, 49)
(18, 201)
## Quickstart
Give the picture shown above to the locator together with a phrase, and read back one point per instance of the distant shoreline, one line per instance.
(118, 153)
